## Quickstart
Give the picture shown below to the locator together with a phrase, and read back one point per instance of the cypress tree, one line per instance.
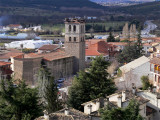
(110, 38)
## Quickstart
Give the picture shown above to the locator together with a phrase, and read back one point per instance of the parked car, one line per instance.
(15, 85)
(61, 80)
(59, 85)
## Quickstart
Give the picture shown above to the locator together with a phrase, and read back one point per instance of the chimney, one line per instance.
(119, 102)
(123, 95)
(99, 103)
(46, 115)
(66, 112)
(90, 108)
(133, 89)
(106, 101)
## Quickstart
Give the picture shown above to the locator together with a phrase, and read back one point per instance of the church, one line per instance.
(61, 62)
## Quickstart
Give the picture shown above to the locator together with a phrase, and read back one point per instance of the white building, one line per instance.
(29, 44)
(153, 104)
(132, 73)
(101, 37)
(120, 100)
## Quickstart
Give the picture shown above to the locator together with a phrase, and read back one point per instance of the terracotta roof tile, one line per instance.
(4, 63)
(73, 115)
(9, 54)
(118, 43)
(99, 48)
(48, 47)
(58, 54)
(14, 25)
(155, 60)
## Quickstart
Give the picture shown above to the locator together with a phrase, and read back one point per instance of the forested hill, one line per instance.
(152, 8)
(49, 3)
(47, 11)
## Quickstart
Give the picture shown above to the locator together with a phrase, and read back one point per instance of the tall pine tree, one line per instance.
(139, 44)
(111, 38)
(92, 84)
(18, 103)
(48, 91)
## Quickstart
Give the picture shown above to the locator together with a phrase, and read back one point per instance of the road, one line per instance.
(150, 27)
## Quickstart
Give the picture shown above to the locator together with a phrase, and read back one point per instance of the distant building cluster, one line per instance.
(20, 28)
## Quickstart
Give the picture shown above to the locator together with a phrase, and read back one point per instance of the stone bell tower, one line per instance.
(75, 42)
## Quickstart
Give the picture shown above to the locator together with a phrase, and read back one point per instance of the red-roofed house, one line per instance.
(14, 26)
(5, 70)
(94, 49)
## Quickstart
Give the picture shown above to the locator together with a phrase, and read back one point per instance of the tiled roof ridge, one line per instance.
(59, 114)
(74, 110)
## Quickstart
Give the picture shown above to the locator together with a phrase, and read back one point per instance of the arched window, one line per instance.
(70, 39)
(74, 28)
(75, 39)
(69, 28)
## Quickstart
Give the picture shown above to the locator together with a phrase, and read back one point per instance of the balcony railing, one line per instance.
(156, 71)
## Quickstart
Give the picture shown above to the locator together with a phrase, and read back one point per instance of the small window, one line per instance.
(82, 29)
(89, 58)
(75, 39)
(69, 28)
(70, 39)
(74, 28)
(81, 39)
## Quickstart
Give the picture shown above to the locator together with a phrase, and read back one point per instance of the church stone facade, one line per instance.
(75, 42)
(61, 62)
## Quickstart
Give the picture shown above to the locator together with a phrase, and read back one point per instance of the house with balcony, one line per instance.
(155, 72)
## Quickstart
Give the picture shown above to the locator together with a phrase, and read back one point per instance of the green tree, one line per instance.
(128, 54)
(131, 112)
(92, 84)
(145, 82)
(20, 102)
(52, 103)
(110, 38)
(48, 91)
(139, 44)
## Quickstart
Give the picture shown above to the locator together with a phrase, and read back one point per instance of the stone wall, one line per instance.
(61, 68)
(27, 69)
(75, 44)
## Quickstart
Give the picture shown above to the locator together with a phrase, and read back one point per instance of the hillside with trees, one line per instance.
(150, 9)
(47, 11)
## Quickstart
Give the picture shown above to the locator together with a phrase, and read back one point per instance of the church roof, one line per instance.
(55, 55)
(48, 47)
(59, 54)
